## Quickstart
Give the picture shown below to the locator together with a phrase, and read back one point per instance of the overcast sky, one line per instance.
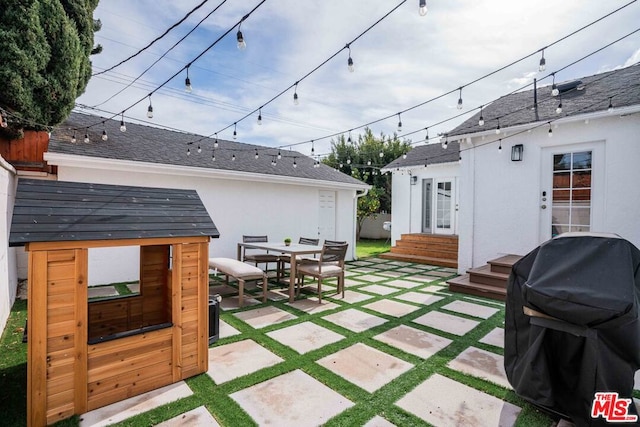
(403, 61)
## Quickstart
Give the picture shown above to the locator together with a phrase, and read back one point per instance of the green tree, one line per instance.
(44, 60)
(363, 158)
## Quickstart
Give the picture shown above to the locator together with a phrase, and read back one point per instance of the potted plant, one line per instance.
(287, 241)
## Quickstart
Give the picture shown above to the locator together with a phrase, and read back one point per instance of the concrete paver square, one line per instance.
(495, 338)
(392, 273)
(353, 297)
(379, 289)
(355, 320)
(351, 282)
(378, 421)
(305, 337)
(482, 364)
(420, 298)
(230, 361)
(362, 263)
(424, 278)
(365, 366)
(134, 287)
(264, 316)
(102, 291)
(410, 270)
(372, 278)
(277, 294)
(135, 405)
(471, 309)
(447, 322)
(392, 308)
(441, 401)
(414, 341)
(198, 417)
(231, 302)
(401, 263)
(222, 290)
(405, 284)
(310, 305)
(361, 270)
(226, 330)
(294, 399)
(433, 288)
(441, 273)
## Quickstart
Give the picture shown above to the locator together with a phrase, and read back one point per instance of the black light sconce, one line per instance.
(414, 180)
(517, 152)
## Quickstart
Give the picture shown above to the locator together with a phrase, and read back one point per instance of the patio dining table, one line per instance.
(294, 249)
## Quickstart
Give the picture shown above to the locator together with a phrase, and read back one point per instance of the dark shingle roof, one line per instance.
(154, 145)
(53, 211)
(432, 153)
(590, 96)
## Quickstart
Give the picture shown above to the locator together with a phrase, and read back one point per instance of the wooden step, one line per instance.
(504, 263)
(442, 262)
(430, 253)
(440, 246)
(483, 275)
(429, 238)
(464, 285)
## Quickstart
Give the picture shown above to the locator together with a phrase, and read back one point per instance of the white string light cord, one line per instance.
(160, 37)
(160, 57)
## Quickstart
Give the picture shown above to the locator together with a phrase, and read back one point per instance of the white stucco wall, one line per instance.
(8, 273)
(237, 207)
(406, 201)
(500, 200)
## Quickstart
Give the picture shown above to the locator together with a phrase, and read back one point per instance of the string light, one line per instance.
(279, 154)
(233, 157)
(460, 99)
(445, 143)
(554, 88)
(199, 149)
(86, 136)
(187, 82)
(295, 94)
(188, 151)
(369, 162)
(350, 66)
(550, 132)
(426, 138)
(404, 155)
(150, 109)
(260, 116)
(543, 63)
(104, 135)
(349, 139)
(498, 127)
(500, 146)
(610, 107)
(313, 150)
(123, 127)
(256, 156)
(73, 137)
(559, 108)
(295, 164)
(399, 123)
(213, 156)
(241, 43)
(273, 161)
(235, 133)
(422, 7)
(215, 142)
(381, 154)
(481, 119)
(349, 160)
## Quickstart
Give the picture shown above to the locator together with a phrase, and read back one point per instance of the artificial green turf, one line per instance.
(367, 405)
(366, 248)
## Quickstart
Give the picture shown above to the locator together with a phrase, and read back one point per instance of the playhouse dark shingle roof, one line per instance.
(430, 154)
(154, 145)
(54, 211)
(622, 86)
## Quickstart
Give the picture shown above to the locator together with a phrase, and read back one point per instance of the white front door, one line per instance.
(327, 215)
(571, 195)
(444, 206)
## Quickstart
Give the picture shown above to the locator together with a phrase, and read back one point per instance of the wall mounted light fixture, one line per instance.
(517, 152)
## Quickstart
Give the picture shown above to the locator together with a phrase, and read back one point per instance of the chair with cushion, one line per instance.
(258, 256)
(286, 258)
(329, 264)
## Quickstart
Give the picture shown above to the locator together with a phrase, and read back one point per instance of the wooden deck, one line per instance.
(434, 249)
(488, 281)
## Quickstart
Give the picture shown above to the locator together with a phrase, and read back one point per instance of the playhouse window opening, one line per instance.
(147, 307)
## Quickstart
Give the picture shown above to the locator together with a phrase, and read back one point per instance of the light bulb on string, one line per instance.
(235, 133)
(349, 160)
(559, 108)
(213, 156)
(399, 123)
(349, 140)
(188, 151)
(369, 162)
(543, 63)
(460, 99)
(500, 146)
(150, 109)
(273, 161)
(313, 150)
(279, 155)
(498, 127)
(240, 38)
(481, 119)
(381, 154)
(256, 156)
(187, 82)
(350, 66)
(295, 164)
(554, 89)
(260, 116)
(86, 136)
(404, 155)
(550, 131)
(295, 95)
(445, 143)
(426, 137)
(199, 149)
(233, 157)
(610, 107)
(340, 165)
(422, 7)
(104, 135)
(123, 127)
(215, 142)
(73, 138)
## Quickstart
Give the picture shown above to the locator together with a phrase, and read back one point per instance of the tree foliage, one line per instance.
(353, 158)
(44, 59)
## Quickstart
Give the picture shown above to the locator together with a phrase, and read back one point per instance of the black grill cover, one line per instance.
(588, 287)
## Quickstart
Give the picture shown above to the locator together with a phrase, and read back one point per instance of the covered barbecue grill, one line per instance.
(571, 323)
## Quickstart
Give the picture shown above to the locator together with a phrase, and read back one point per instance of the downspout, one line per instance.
(356, 196)
(410, 199)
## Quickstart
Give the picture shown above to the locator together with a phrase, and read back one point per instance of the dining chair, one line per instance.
(329, 264)
(286, 258)
(258, 256)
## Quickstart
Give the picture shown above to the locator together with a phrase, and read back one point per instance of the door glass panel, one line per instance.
(426, 207)
(443, 205)
(571, 197)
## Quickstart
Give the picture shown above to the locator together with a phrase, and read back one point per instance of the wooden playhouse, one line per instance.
(84, 354)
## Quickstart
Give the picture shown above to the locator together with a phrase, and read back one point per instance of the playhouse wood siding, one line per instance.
(66, 375)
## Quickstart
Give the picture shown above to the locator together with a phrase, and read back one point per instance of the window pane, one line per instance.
(562, 162)
(582, 179)
(562, 180)
(581, 216)
(561, 196)
(559, 229)
(582, 160)
(560, 215)
(582, 195)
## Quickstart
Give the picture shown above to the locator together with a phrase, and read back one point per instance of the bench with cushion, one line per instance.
(240, 271)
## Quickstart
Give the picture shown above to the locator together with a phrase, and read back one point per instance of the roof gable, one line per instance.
(52, 211)
(591, 95)
(429, 154)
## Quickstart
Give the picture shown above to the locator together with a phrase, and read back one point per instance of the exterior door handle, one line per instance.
(543, 207)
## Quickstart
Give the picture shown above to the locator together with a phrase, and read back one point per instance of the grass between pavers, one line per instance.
(367, 405)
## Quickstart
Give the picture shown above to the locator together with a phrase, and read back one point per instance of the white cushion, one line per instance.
(235, 268)
(327, 269)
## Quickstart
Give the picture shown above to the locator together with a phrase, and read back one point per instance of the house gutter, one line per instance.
(356, 197)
